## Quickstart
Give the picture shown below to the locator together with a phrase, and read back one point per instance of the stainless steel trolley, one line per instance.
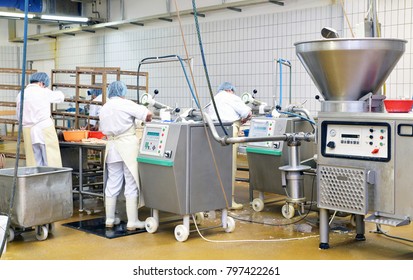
(43, 196)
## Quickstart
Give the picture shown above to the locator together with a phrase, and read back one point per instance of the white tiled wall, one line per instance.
(242, 51)
(9, 58)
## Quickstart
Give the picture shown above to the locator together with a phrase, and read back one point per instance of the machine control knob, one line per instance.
(168, 154)
(371, 130)
(371, 136)
(331, 144)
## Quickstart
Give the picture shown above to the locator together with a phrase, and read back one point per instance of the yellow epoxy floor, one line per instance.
(257, 236)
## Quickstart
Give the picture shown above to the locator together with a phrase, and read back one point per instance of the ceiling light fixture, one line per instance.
(15, 15)
(64, 18)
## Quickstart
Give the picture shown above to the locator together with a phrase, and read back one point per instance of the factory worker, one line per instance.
(232, 109)
(117, 121)
(41, 144)
(94, 109)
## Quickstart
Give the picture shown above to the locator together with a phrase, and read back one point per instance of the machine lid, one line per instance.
(349, 68)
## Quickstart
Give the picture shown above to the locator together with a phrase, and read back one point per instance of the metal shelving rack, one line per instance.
(5, 113)
(89, 78)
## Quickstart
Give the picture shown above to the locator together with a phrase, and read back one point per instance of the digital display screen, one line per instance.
(260, 127)
(152, 133)
(355, 136)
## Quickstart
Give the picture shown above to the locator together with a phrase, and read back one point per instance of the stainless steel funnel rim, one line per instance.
(351, 39)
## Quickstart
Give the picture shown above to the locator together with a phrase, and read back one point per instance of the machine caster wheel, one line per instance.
(199, 218)
(324, 246)
(181, 233)
(11, 236)
(41, 233)
(288, 211)
(230, 225)
(51, 227)
(151, 225)
(360, 237)
(258, 204)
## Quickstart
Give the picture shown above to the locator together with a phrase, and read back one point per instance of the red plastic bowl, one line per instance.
(96, 134)
(398, 106)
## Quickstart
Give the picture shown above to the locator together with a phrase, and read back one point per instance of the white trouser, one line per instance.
(39, 151)
(118, 173)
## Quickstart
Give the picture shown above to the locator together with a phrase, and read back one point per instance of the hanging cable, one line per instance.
(16, 166)
(202, 114)
(205, 66)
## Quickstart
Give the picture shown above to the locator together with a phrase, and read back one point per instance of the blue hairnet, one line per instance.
(40, 77)
(226, 86)
(95, 92)
(117, 88)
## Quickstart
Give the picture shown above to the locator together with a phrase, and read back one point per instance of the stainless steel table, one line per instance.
(80, 170)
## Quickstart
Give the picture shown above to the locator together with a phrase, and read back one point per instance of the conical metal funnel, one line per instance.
(348, 69)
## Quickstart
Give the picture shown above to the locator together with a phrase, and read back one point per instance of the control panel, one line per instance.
(154, 139)
(263, 127)
(367, 141)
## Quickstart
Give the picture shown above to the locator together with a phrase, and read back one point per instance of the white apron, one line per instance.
(51, 142)
(127, 146)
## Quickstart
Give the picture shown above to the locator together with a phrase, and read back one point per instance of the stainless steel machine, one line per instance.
(363, 152)
(268, 160)
(178, 173)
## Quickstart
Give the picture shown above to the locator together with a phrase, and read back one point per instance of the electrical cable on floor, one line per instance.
(251, 240)
(391, 236)
(16, 166)
(287, 224)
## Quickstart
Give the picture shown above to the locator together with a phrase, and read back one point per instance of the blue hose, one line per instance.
(16, 166)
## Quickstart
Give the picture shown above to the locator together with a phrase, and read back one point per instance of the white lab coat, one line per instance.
(94, 109)
(117, 121)
(38, 127)
(230, 107)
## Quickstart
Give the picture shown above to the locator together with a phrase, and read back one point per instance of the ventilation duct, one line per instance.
(35, 6)
(53, 7)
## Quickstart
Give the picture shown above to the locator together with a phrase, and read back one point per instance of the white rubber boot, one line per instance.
(132, 213)
(110, 208)
(236, 206)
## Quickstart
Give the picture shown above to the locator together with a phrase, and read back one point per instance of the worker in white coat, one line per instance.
(117, 121)
(232, 109)
(41, 144)
(94, 109)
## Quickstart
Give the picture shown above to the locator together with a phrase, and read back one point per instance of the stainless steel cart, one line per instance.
(43, 196)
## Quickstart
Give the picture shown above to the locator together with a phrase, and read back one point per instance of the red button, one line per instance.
(375, 151)
(381, 137)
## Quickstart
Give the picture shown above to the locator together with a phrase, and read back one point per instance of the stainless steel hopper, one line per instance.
(348, 69)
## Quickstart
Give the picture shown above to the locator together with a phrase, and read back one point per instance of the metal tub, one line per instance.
(43, 195)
